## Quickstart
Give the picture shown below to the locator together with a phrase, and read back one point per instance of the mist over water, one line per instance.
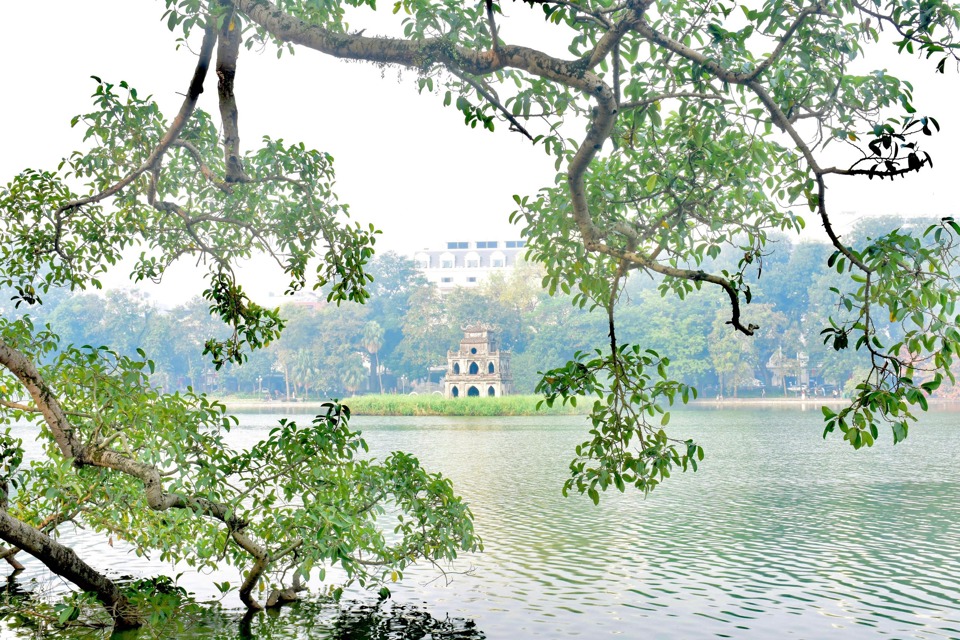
(780, 533)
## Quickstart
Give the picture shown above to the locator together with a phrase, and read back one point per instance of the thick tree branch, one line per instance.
(64, 562)
(604, 118)
(492, 25)
(614, 34)
(44, 399)
(94, 455)
(228, 49)
(417, 54)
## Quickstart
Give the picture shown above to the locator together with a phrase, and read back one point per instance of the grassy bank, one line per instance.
(434, 405)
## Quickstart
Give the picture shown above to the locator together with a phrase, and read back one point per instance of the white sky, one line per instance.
(403, 161)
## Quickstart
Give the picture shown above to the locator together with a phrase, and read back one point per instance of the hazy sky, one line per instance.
(403, 161)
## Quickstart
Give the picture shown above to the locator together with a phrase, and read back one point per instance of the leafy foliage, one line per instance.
(627, 446)
(154, 469)
(705, 129)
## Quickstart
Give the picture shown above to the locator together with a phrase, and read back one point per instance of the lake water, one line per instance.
(780, 533)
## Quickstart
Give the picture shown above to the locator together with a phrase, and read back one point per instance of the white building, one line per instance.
(467, 264)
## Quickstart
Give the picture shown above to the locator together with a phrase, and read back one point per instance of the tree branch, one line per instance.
(492, 25)
(228, 49)
(64, 562)
(186, 110)
(489, 96)
(205, 170)
(636, 104)
(785, 39)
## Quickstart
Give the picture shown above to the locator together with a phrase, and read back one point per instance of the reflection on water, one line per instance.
(779, 534)
(305, 619)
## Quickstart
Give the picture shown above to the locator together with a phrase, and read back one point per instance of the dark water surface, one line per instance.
(780, 533)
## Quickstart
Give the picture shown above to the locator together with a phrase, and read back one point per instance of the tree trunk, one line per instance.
(65, 563)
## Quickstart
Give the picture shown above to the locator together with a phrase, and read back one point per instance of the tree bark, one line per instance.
(228, 46)
(63, 561)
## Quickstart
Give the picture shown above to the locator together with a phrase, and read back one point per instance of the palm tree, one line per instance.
(284, 359)
(302, 366)
(352, 373)
(372, 342)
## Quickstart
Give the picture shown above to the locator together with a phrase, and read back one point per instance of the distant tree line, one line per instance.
(406, 327)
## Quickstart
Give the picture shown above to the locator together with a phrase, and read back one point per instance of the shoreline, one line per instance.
(804, 403)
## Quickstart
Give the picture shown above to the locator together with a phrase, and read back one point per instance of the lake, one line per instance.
(780, 533)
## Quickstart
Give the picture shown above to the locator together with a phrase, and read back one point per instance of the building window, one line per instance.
(456, 392)
(474, 369)
(471, 279)
(446, 264)
(422, 261)
(457, 245)
(456, 368)
(498, 260)
(473, 392)
(489, 244)
(473, 264)
(515, 244)
(446, 280)
(491, 392)
(472, 260)
(490, 368)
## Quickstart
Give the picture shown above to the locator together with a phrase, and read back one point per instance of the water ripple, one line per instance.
(781, 534)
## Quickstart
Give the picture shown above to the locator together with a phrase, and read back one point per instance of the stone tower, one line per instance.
(478, 368)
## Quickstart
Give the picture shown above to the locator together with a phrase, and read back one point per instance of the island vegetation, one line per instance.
(687, 137)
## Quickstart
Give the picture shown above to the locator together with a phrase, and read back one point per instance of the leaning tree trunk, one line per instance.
(64, 562)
